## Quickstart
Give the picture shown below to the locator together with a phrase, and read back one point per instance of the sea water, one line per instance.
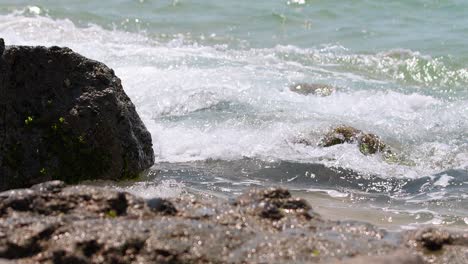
(210, 79)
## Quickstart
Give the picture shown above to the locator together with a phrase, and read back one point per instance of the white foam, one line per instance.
(298, 2)
(147, 190)
(444, 180)
(174, 84)
(34, 10)
(331, 193)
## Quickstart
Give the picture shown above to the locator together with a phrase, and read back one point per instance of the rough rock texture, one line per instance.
(63, 116)
(52, 223)
(368, 143)
(2, 46)
(340, 135)
(371, 144)
(312, 88)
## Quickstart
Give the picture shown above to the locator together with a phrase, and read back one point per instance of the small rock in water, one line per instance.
(340, 135)
(368, 143)
(312, 88)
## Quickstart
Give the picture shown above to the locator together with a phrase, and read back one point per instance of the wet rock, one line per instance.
(87, 224)
(2, 46)
(53, 199)
(433, 239)
(367, 143)
(62, 256)
(162, 206)
(29, 241)
(63, 116)
(273, 204)
(370, 144)
(51, 186)
(439, 246)
(340, 135)
(256, 196)
(312, 88)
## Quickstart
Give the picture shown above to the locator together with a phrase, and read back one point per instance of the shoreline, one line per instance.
(329, 207)
(257, 223)
(333, 193)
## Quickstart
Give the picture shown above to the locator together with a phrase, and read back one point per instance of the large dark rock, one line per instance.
(63, 116)
(53, 223)
(2, 46)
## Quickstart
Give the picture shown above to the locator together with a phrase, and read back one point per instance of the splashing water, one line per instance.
(218, 105)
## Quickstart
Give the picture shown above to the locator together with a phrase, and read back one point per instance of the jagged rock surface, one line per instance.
(63, 116)
(53, 223)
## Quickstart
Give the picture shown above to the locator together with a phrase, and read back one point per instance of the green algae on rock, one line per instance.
(66, 117)
(370, 144)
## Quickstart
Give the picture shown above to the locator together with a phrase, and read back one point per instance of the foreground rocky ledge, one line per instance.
(52, 223)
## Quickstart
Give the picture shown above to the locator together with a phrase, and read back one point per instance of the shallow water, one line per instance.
(210, 80)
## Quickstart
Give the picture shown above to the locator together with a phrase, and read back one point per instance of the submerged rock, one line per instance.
(312, 88)
(63, 116)
(53, 223)
(340, 135)
(368, 143)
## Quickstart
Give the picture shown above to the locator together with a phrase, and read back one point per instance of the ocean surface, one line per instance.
(211, 79)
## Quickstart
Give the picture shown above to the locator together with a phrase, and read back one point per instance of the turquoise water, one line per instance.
(210, 80)
(437, 28)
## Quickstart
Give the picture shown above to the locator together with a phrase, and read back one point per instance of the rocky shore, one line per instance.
(55, 223)
(66, 118)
